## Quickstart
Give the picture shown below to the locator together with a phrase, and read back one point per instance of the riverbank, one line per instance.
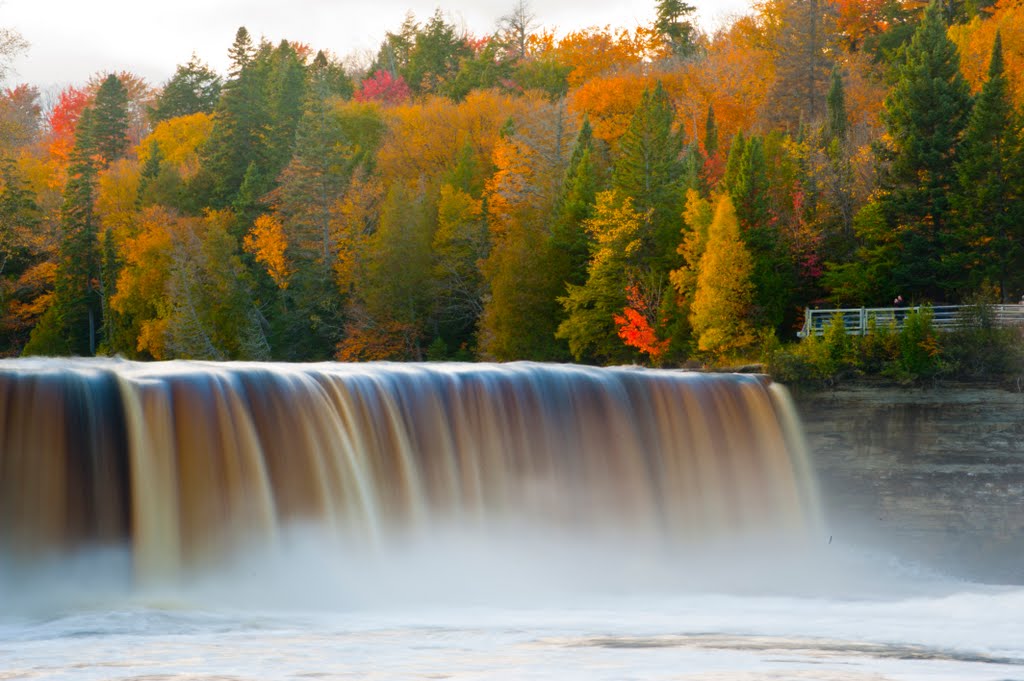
(933, 475)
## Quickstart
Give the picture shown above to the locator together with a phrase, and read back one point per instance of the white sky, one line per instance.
(72, 40)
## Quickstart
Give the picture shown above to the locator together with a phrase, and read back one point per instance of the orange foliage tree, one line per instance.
(975, 40)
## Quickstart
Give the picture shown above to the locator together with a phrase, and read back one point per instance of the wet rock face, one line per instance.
(932, 475)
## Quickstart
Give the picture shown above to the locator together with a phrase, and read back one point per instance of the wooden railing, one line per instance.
(945, 317)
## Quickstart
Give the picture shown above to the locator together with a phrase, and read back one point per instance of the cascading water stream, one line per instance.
(183, 461)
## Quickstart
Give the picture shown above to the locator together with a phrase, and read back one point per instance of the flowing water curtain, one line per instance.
(187, 461)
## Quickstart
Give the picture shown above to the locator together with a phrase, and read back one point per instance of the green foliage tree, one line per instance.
(673, 22)
(20, 218)
(648, 170)
(989, 200)
(193, 88)
(109, 121)
(435, 56)
(925, 113)
(617, 229)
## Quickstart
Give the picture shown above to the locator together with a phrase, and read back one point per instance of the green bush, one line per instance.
(878, 347)
(920, 352)
(978, 348)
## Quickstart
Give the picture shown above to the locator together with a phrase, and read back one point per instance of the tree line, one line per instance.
(651, 195)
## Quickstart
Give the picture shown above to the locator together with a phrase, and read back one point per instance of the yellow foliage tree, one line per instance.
(267, 242)
(179, 140)
(976, 38)
(722, 300)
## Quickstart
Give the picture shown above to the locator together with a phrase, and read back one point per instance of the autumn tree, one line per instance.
(616, 262)
(392, 301)
(520, 316)
(804, 56)
(20, 117)
(383, 87)
(720, 314)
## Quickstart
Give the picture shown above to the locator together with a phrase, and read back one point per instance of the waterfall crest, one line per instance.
(182, 460)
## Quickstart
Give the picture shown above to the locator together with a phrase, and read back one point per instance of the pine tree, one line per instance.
(648, 170)
(989, 201)
(773, 277)
(110, 121)
(241, 126)
(674, 24)
(806, 43)
(924, 113)
(194, 88)
(710, 133)
(569, 239)
(71, 324)
(836, 128)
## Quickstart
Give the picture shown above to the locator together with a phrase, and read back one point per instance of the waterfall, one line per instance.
(181, 461)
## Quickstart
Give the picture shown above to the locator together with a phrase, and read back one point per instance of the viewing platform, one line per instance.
(945, 317)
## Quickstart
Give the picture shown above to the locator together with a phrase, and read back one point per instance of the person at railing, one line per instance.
(899, 304)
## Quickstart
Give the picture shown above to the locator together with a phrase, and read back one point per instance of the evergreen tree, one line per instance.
(71, 324)
(648, 170)
(569, 239)
(710, 133)
(990, 196)
(732, 165)
(773, 277)
(806, 43)
(20, 218)
(838, 180)
(194, 88)
(925, 113)
(435, 56)
(836, 128)
(674, 24)
(110, 120)
(240, 130)
(589, 327)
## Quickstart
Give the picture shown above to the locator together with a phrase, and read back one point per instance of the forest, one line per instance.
(656, 195)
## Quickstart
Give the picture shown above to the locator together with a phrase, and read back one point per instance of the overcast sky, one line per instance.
(72, 40)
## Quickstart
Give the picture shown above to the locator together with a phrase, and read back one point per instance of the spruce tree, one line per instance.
(710, 133)
(773, 276)
(241, 126)
(925, 113)
(569, 239)
(836, 128)
(71, 324)
(194, 88)
(649, 171)
(989, 201)
(806, 43)
(674, 24)
(110, 120)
